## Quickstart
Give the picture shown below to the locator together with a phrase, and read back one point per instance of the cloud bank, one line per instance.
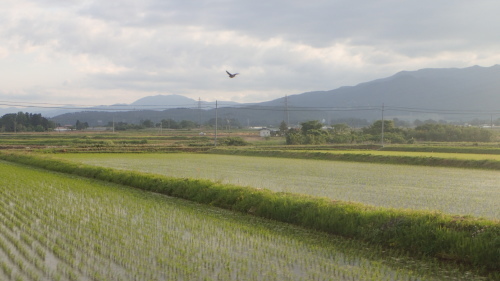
(107, 52)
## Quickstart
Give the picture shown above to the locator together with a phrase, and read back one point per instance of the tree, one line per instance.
(147, 123)
(81, 126)
(444, 132)
(294, 136)
(310, 125)
(233, 141)
(341, 128)
(8, 122)
(341, 133)
(169, 123)
(19, 122)
(316, 136)
(186, 124)
(310, 133)
(391, 133)
(401, 123)
(376, 127)
(283, 128)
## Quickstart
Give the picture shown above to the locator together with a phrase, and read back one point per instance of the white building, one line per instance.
(265, 132)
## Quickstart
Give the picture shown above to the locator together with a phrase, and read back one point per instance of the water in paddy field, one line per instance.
(57, 227)
(448, 190)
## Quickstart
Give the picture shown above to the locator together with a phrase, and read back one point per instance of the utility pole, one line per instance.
(286, 117)
(215, 140)
(199, 110)
(382, 125)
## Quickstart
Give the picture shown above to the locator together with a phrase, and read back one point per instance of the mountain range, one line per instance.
(433, 93)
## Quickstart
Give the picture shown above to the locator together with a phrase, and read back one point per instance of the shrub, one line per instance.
(233, 141)
(294, 137)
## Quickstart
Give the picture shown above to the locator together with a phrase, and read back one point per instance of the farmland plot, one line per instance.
(57, 227)
(466, 156)
(449, 190)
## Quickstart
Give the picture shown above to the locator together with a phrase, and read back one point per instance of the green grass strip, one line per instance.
(444, 149)
(367, 158)
(473, 242)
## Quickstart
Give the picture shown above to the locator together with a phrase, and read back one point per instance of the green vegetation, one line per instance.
(369, 157)
(311, 132)
(232, 141)
(441, 132)
(475, 148)
(81, 125)
(144, 124)
(442, 155)
(60, 227)
(464, 230)
(25, 122)
(102, 141)
(395, 186)
(466, 240)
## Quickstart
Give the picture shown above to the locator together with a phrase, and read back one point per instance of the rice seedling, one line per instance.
(97, 231)
(448, 190)
(467, 156)
(379, 157)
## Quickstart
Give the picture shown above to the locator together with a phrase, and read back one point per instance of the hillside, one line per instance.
(474, 88)
(440, 94)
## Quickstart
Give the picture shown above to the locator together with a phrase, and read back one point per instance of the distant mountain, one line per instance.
(440, 94)
(158, 102)
(46, 112)
(176, 101)
(473, 89)
(165, 100)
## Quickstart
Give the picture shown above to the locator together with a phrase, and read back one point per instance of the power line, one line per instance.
(289, 108)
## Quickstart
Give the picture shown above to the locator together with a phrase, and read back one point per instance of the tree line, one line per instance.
(25, 122)
(222, 123)
(314, 132)
(310, 132)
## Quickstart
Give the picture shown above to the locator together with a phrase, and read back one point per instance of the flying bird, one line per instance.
(231, 75)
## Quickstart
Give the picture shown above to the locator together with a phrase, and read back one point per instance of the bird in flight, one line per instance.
(231, 75)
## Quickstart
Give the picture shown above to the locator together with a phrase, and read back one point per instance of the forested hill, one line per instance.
(439, 94)
(474, 88)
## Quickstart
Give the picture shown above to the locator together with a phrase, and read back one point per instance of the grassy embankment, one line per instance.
(472, 242)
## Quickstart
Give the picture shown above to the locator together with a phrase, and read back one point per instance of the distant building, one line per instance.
(100, 129)
(265, 132)
(64, 128)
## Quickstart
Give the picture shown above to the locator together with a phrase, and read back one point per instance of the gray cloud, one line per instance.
(279, 47)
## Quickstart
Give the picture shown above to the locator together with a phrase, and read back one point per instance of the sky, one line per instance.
(96, 52)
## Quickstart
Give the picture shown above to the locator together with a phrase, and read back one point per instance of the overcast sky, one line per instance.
(100, 52)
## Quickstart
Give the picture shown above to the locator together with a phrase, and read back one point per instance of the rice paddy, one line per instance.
(448, 190)
(466, 156)
(59, 227)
